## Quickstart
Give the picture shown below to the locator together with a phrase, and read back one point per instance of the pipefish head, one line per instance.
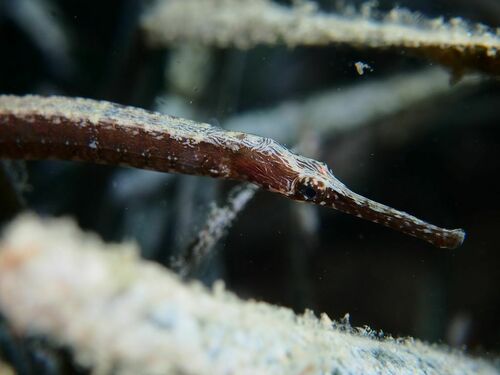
(315, 183)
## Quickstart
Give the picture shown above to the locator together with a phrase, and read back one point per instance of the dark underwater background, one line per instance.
(438, 159)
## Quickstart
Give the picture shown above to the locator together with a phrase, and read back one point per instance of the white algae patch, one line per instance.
(120, 313)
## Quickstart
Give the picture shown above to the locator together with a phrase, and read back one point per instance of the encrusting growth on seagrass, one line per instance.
(120, 314)
(34, 127)
(219, 219)
(246, 23)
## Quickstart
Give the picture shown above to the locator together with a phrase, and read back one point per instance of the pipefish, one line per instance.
(35, 127)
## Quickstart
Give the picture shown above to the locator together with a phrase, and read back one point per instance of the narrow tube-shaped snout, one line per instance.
(367, 209)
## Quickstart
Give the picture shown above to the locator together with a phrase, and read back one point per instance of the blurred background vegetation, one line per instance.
(438, 159)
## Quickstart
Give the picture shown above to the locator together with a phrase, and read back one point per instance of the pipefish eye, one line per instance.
(307, 191)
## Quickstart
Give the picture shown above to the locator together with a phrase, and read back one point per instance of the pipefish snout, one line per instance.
(330, 192)
(34, 127)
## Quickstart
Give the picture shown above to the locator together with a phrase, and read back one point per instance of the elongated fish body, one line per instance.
(34, 127)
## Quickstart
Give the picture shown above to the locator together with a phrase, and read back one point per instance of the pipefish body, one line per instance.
(35, 127)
